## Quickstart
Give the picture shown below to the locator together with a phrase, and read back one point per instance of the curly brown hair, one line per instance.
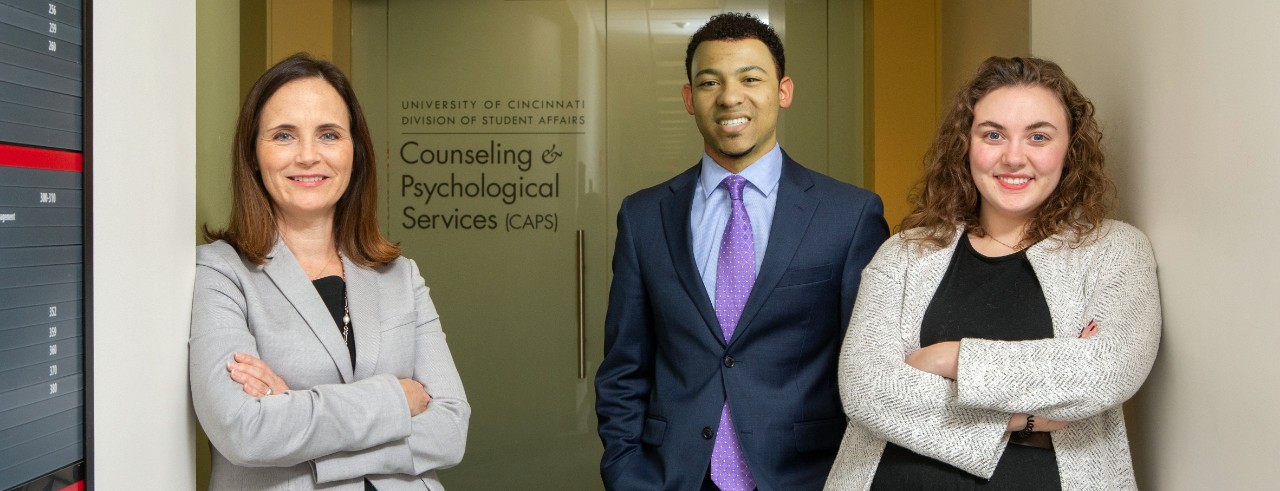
(252, 230)
(946, 196)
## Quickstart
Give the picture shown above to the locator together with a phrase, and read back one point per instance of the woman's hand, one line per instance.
(939, 359)
(1089, 330)
(1018, 421)
(416, 394)
(257, 379)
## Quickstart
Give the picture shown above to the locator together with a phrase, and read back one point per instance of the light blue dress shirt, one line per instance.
(711, 207)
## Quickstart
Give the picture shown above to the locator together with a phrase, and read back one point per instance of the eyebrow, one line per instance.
(291, 126)
(712, 71)
(1033, 126)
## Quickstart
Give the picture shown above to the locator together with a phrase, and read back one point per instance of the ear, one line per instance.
(687, 93)
(785, 89)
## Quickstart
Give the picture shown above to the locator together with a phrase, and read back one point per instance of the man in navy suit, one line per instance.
(708, 386)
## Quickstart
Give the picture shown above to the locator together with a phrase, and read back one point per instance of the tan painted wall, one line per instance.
(973, 31)
(322, 28)
(902, 96)
(1187, 93)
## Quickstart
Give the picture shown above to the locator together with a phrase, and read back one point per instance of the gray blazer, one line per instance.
(337, 424)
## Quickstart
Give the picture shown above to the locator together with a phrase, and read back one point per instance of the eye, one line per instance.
(708, 83)
(992, 136)
(1039, 138)
(280, 136)
(330, 136)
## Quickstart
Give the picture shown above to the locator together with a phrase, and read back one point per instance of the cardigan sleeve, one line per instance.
(1067, 378)
(896, 402)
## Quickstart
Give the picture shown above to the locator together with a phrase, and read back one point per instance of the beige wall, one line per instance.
(143, 180)
(1187, 93)
(973, 31)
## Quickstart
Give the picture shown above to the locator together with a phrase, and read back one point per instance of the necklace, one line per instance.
(346, 311)
(327, 263)
(346, 317)
(1001, 242)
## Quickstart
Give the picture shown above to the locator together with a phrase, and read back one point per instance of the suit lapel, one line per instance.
(675, 224)
(284, 271)
(791, 216)
(362, 302)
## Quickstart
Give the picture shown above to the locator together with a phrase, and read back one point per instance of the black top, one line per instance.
(996, 298)
(333, 290)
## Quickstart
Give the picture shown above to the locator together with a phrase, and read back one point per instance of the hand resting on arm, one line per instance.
(943, 359)
(258, 380)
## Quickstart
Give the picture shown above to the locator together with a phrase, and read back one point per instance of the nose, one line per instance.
(1014, 156)
(732, 94)
(308, 152)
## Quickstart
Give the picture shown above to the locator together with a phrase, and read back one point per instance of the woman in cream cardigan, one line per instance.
(995, 339)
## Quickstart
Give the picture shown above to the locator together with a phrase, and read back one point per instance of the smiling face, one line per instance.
(304, 149)
(1017, 148)
(734, 99)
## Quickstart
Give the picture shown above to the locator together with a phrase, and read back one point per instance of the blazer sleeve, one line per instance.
(868, 235)
(1071, 379)
(286, 429)
(438, 436)
(625, 377)
(896, 402)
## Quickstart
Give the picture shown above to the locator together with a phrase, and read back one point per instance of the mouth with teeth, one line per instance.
(1013, 183)
(308, 179)
(729, 123)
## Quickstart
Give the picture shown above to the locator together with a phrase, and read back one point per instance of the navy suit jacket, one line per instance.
(667, 370)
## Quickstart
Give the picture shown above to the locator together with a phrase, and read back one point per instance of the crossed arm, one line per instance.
(943, 359)
(377, 425)
(956, 402)
(259, 380)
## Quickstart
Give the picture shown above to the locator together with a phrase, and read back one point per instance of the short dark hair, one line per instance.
(734, 26)
(252, 231)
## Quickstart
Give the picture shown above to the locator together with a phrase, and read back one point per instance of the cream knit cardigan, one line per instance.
(1111, 280)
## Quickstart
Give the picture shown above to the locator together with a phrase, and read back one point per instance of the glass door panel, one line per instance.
(499, 150)
(495, 124)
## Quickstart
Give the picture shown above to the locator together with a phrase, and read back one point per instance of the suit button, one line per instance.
(729, 361)
(706, 433)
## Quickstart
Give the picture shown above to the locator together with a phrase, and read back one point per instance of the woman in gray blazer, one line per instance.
(995, 338)
(317, 357)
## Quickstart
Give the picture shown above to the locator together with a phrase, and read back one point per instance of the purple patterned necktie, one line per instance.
(735, 274)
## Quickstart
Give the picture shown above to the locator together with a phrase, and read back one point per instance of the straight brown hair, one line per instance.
(252, 231)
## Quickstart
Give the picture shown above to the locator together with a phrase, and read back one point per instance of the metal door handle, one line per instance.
(582, 307)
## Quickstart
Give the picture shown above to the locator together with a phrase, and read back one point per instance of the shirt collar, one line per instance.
(763, 174)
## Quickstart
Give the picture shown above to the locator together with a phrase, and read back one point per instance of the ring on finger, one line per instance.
(269, 391)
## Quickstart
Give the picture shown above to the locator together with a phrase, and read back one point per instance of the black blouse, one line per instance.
(996, 298)
(333, 290)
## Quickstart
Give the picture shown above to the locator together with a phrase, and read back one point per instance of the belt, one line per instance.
(1039, 439)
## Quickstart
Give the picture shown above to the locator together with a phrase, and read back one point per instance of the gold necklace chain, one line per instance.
(1001, 242)
(328, 262)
